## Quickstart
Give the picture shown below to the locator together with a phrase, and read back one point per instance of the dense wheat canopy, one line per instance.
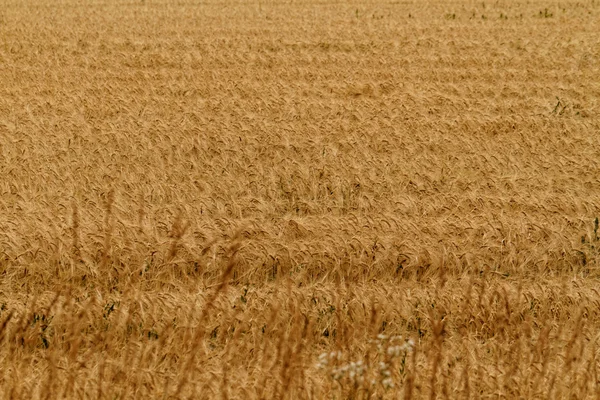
(299, 199)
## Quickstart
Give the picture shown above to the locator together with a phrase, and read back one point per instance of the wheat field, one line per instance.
(299, 199)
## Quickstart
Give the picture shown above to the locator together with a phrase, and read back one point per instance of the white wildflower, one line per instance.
(388, 383)
(394, 351)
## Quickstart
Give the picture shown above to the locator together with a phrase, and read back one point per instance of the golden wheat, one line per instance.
(304, 199)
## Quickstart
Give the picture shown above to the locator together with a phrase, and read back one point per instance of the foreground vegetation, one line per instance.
(303, 200)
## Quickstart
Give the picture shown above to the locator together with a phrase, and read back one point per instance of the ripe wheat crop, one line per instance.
(299, 199)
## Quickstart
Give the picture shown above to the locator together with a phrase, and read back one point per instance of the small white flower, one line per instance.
(391, 351)
(388, 383)
(323, 361)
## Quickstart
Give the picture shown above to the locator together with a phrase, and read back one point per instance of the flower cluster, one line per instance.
(391, 348)
(354, 370)
(326, 359)
(391, 354)
(394, 345)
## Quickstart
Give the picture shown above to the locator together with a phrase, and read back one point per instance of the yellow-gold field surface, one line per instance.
(299, 199)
